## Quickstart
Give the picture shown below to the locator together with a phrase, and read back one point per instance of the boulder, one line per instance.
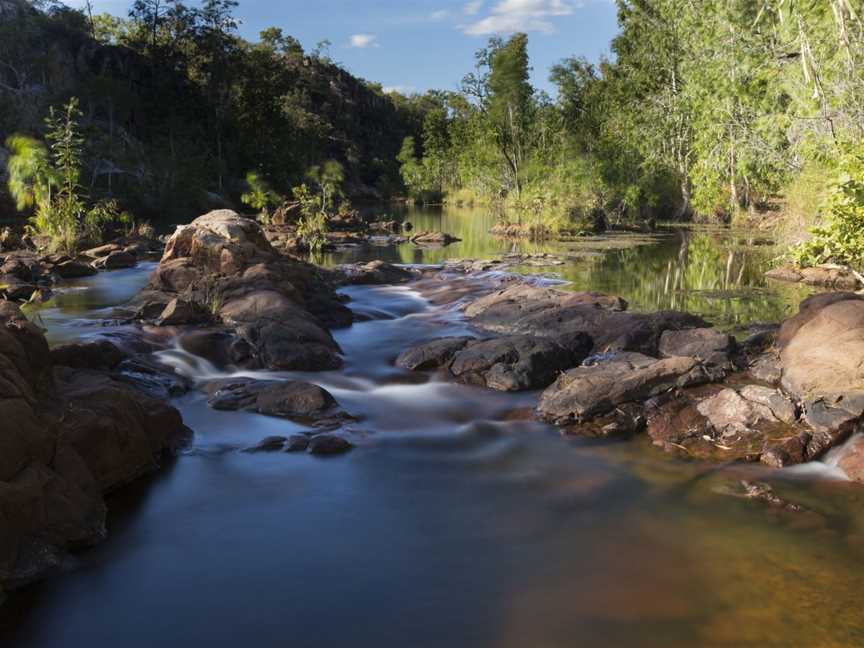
(822, 356)
(706, 344)
(77, 434)
(328, 444)
(98, 354)
(433, 238)
(851, 460)
(277, 308)
(766, 368)
(116, 260)
(180, 312)
(72, 269)
(295, 400)
(514, 363)
(733, 412)
(509, 363)
(297, 443)
(745, 423)
(826, 276)
(102, 251)
(432, 355)
(268, 444)
(584, 393)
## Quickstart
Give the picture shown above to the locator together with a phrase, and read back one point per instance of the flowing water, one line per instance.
(457, 522)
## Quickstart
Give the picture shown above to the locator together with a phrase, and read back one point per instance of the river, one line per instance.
(457, 523)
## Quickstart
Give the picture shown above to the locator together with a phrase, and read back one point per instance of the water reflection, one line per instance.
(711, 271)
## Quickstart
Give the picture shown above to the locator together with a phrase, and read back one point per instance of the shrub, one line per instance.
(261, 197)
(840, 238)
(46, 180)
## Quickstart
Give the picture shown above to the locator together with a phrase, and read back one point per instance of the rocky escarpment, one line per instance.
(68, 436)
(264, 310)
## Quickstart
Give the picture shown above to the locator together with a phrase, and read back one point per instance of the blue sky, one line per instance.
(415, 45)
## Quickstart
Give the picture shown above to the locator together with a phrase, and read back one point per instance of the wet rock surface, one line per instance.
(783, 395)
(293, 400)
(78, 433)
(509, 363)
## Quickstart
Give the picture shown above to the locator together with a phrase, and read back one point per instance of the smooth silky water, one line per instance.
(457, 522)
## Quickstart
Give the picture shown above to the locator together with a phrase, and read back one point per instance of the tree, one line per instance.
(45, 179)
(329, 178)
(508, 104)
(149, 13)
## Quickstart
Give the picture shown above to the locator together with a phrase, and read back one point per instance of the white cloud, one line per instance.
(510, 16)
(438, 16)
(362, 41)
(473, 7)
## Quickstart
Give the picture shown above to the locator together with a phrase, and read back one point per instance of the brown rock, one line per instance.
(587, 392)
(116, 261)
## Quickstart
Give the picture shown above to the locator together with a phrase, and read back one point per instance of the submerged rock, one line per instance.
(328, 444)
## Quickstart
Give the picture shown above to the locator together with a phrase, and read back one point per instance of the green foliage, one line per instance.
(312, 225)
(328, 178)
(46, 181)
(206, 107)
(840, 237)
(31, 174)
(261, 196)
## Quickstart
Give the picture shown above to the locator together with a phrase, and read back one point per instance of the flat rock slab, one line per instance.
(373, 273)
(836, 277)
(584, 393)
(544, 312)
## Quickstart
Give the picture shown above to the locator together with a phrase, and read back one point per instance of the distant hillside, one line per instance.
(178, 109)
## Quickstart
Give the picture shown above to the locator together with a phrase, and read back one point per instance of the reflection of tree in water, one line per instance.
(716, 273)
(707, 273)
